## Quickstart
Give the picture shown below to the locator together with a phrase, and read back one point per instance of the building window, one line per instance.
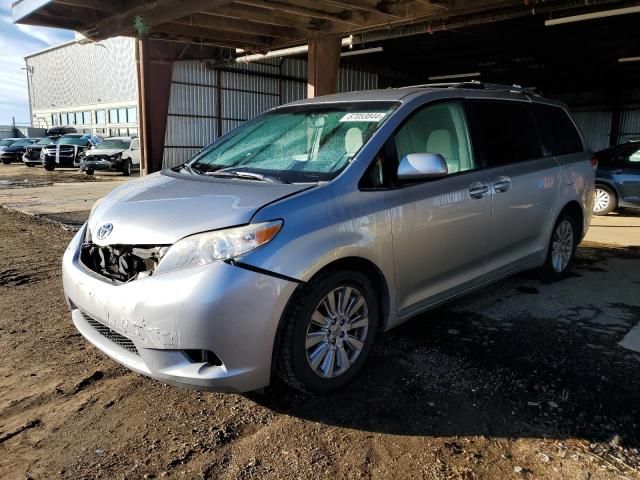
(113, 115)
(86, 118)
(72, 118)
(132, 115)
(101, 117)
(64, 119)
(133, 132)
(122, 115)
(53, 119)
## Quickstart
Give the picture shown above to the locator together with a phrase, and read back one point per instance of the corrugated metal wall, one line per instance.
(244, 92)
(595, 126)
(89, 74)
(630, 125)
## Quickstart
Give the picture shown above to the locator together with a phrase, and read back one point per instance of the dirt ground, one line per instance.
(521, 380)
(17, 175)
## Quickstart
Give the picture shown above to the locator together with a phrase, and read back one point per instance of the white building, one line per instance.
(91, 87)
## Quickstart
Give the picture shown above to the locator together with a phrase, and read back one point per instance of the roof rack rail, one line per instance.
(475, 84)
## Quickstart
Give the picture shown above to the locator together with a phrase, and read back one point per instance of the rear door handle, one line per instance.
(502, 184)
(478, 190)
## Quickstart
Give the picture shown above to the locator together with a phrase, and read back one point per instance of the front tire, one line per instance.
(562, 247)
(605, 200)
(49, 167)
(6, 161)
(329, 330)
(126, 167)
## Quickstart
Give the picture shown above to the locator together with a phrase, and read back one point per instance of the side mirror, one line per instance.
(422, 166)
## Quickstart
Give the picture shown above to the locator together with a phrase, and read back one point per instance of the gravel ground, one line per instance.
(521, 380)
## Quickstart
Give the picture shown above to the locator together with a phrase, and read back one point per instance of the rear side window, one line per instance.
(505, 132)
(559, 134)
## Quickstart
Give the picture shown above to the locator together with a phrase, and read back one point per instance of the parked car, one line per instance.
(113, 153)
(287, 244)
(15, 150)
(65, 152)
(617, 178)
(31, 156)
(5, 142)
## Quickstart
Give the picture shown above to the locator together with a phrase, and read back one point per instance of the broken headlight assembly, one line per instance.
(209, 247)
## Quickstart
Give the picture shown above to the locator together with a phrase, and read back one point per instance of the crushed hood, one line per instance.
(165, 207)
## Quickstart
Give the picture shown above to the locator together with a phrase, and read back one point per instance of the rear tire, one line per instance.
(126, 167)
(605, 200)
(562, 247)
(89, 171)
(325, 343)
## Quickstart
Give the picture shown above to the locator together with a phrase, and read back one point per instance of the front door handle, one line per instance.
(478, 190)
(502, 184)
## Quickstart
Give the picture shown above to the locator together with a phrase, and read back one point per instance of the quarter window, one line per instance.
(505, 132)
(558, 133)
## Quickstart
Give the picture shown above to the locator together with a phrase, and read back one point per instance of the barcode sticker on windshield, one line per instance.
(363, 117)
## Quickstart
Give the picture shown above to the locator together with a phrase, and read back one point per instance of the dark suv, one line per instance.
(65, 152)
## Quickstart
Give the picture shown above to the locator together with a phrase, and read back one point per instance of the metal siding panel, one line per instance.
(193, 71)
(630, 125)
(192, 100)
(595, 126)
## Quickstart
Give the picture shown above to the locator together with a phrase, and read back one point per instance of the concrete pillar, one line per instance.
(154, 68)
(323, 65)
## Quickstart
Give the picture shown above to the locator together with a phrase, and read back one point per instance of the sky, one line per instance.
(17, 41)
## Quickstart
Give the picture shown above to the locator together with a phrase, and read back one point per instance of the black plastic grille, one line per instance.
(111, 335)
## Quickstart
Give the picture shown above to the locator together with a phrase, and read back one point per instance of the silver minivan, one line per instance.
(288, 244)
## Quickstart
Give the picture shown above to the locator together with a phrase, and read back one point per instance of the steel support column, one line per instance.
(323, 65)
(155, 67)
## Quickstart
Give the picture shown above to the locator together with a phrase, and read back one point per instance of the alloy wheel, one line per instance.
(602, 200)
(562, 246)
(337, 331)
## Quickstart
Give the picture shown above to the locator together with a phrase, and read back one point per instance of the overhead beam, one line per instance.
(265, 17)
(152, 13)
(309, 12)
(241, 27)
(210, 34)
(378, 10)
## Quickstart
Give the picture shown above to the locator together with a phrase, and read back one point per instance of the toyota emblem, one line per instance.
(104, 231)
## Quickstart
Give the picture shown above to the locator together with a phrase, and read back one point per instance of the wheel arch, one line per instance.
(354, 263)
(574, 209)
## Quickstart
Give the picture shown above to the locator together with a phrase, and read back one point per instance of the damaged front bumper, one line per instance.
(220, 308)
(89, 164)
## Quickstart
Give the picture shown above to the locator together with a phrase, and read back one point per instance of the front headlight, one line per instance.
(208, 247)
(115, 157)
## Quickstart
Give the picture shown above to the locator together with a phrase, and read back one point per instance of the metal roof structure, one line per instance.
(257, 25)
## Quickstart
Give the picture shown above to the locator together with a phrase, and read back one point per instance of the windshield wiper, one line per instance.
(244, 175)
